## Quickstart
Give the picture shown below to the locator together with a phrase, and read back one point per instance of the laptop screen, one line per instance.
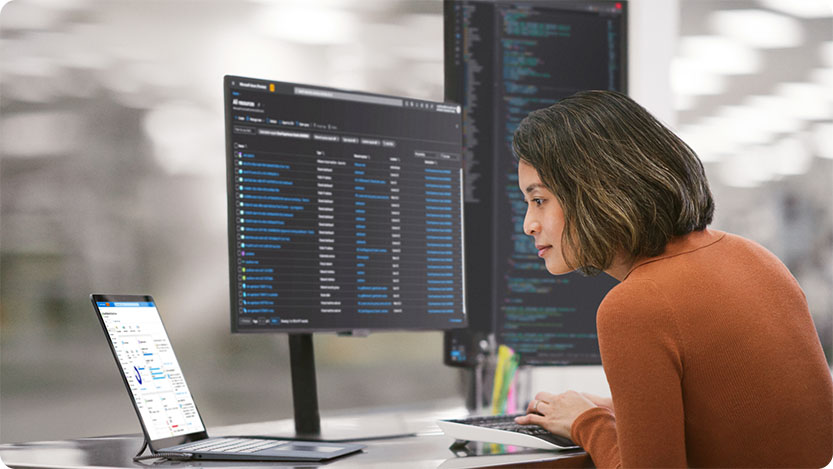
(150, 368)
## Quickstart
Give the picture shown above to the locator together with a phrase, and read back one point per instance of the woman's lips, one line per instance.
(543, 250)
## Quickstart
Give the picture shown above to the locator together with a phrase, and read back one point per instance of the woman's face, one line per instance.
(544, 219)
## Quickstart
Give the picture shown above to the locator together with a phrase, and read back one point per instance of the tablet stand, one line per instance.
(175, 456)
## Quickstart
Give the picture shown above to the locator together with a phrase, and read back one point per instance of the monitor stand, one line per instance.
(308, 424)
(304, 386)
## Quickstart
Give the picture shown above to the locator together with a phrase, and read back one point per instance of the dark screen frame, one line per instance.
(155, 445)
(483, 311)
(233, 312)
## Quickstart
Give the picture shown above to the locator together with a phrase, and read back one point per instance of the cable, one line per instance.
(172, 456)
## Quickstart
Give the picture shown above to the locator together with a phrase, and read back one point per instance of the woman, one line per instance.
(707, 343)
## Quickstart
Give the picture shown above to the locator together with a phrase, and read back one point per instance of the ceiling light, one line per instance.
(801, 8)
(720, 55)
(774, 113)
(307, 24)
(719, 129)
(183, 134)
(711, 139)
(757, 164)
(823, 139)
(697, 137)
(806, 100)
(745, 169)
(745, 124)
(693, 78)
(758, 28)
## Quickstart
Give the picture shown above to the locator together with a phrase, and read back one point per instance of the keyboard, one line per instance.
(228, 445)
(502, 429)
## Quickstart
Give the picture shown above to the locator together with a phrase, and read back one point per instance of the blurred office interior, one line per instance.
(112, 179)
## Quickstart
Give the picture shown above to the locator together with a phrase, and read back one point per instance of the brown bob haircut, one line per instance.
(625, 182)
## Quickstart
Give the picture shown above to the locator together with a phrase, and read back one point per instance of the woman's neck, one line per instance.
(620, 267)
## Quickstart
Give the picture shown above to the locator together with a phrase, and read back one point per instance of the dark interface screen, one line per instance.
(505, 59)
(345, 209)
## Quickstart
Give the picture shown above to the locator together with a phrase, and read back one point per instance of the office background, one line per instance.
(112, 179)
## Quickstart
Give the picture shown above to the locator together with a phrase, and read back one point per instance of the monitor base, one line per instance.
(370, 426)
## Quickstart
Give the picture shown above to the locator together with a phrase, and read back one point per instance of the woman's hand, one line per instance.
(599, 400)
(556, 412)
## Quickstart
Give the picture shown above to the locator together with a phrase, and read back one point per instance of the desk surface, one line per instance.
(426, 447)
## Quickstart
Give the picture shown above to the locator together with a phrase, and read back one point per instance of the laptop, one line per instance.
(169, 417)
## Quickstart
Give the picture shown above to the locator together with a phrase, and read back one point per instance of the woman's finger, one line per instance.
(544, 396)
(530, 419)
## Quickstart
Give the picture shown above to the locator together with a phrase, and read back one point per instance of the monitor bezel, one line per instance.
(478, 329)
(360, 332)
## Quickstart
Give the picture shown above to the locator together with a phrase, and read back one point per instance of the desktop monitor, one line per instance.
(344, 214)
(504, 59)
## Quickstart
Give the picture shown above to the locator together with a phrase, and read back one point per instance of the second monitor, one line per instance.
(345, 213)
(345, 210)
(503, 59)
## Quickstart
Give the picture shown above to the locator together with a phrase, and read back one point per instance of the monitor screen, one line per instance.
(344, 208)
(504, 59)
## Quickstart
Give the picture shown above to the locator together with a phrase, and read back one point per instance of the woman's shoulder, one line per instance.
(724, 242)
(747, 255)
(641, 299)
(699, 253)
(694, 271)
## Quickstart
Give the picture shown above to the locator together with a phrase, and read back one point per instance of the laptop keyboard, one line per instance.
(507, 423)
(229, 445)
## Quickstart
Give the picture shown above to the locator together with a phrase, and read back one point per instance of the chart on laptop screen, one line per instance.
(150, 368)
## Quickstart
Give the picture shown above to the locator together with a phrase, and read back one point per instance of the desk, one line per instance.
(427, 449)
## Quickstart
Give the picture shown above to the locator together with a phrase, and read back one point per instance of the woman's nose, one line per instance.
(531, 226)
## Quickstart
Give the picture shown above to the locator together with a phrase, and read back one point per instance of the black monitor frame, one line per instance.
(403, 115)
(430, 154)
(484, 190)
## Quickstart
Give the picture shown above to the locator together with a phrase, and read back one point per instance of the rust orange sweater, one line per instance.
(713, 360)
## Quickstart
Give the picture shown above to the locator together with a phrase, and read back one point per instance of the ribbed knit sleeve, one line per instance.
(596, 428)
(639, 344)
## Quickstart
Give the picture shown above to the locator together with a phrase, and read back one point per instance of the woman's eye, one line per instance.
(538, 201)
